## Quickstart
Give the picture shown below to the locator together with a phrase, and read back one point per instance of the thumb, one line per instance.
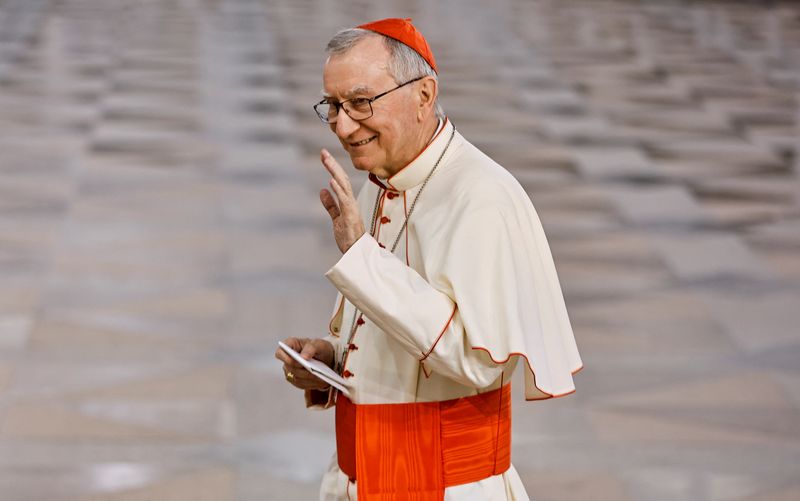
(309, 350)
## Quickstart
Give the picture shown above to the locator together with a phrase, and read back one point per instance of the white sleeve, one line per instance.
(426, 322)
(492, 293)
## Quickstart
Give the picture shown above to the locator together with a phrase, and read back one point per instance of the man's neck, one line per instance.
(429, 131)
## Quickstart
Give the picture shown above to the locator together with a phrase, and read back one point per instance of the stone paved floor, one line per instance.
(159, 232)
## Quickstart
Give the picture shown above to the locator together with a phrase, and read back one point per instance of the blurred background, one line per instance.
(160, 231)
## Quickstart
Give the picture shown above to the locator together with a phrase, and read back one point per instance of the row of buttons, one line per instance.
(384, 220)
(352, 347)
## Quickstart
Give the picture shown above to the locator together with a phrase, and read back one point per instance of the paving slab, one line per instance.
(646, 205)
(763, 188)
(758, 323)
(731, 213)
(690, 172)
(555, 101)
(619, 247)
(698, 121)
(777, 234)
(585, 130)
(656, 93)
(612, 163)
(731, 150)
(697, 257)
(779, 138)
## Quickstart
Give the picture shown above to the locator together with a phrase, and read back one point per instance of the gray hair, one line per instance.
(404, 62)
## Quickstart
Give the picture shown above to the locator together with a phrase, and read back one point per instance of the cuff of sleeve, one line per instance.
(352, 260)
(320, 399)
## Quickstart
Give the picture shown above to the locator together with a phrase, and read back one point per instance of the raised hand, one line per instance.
(343, 209)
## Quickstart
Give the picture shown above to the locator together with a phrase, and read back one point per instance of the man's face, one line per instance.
(383, 143)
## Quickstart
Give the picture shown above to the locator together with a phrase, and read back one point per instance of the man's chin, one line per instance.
(369, 164)
(362, 164)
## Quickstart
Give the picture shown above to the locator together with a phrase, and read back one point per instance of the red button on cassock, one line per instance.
(391, 195)
(360, 321)
(347, 374)
(385, 220)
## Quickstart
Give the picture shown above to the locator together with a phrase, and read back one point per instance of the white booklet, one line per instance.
(318, 368)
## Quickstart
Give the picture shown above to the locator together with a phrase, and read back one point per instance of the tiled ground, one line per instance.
(159, 232)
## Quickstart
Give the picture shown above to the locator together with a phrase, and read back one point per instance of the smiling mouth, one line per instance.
(362, 143)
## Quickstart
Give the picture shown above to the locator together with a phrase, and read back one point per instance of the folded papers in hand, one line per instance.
(318, 369)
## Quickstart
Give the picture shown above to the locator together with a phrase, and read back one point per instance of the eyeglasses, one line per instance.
(358, 108)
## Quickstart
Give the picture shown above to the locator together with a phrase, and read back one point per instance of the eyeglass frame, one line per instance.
(370, 100)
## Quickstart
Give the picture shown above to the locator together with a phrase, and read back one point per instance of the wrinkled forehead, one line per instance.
(364, 69)
(359, 89)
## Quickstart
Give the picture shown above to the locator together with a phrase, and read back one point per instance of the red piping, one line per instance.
(497, 433)
(425, 355)
(330, 324)
(444, 126)
(347, 356)
(374, 179)
(530, 368)
(377, 229)
(405, 211)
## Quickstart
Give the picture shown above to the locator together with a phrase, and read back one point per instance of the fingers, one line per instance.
(329, 203)
(319, 349)
(293, 343)
(347, 203)
(302, 378)
(309, 350)
(299, 375)
(344, 197)
(336, 171)
(290, 364)
(344, 202)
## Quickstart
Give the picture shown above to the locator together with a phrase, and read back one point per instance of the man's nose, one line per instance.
(345, 125)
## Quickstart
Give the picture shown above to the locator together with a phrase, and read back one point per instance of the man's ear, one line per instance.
(428, 90)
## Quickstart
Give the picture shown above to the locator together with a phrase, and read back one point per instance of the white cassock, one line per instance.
(470, 291)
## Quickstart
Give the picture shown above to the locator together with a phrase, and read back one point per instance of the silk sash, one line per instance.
(411, 452)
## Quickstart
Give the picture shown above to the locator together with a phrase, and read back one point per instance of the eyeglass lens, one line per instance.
(357, 109)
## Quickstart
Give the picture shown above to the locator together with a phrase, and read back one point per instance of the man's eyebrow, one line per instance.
(358, 89)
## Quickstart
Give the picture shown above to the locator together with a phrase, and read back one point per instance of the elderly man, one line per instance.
(446, 283)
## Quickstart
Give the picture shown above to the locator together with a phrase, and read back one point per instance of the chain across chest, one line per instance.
(375, 211)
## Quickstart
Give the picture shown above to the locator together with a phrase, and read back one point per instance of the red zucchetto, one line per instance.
(403, 31)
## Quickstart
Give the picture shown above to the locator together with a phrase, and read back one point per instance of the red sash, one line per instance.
(411, 452)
